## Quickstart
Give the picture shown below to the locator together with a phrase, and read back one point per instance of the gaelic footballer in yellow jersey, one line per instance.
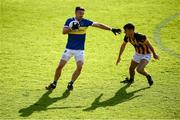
(75, 28)
(142, 56)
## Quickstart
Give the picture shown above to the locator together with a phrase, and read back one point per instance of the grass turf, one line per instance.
(32, 43)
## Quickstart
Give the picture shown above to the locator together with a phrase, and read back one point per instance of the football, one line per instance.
(74, 25)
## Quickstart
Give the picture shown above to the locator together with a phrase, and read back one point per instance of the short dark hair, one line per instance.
(79, 8)
(129, 26)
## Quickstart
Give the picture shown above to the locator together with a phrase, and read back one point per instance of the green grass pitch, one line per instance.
(31, 45)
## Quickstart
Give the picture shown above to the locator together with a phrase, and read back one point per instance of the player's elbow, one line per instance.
(64, 32)
(98, 25)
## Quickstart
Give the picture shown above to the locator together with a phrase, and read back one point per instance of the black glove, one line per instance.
(75, 26)
(115, 31)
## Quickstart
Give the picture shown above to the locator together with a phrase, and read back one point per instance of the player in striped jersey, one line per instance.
(142, 55)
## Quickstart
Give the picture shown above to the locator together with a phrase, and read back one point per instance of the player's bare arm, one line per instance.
(123, 46)
(105, 27)
(152, 50)
(102, 26)
(75, 28)
(142, 54)
(66, 30)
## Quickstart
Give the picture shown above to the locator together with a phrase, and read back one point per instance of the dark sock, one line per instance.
(131, 79)
(55, 82)
(148, 76)
(71, 82)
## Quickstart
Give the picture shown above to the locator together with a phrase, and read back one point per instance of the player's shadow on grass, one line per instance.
(43, 103)
(120, 96)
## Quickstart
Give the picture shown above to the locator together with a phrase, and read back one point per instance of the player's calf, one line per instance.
(140, 70)
(75, 75)
(143, 72)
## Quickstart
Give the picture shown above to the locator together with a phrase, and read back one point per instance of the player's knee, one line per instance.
(79, 68)
(139, 70)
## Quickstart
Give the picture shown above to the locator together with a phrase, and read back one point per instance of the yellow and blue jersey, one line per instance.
(76, 39)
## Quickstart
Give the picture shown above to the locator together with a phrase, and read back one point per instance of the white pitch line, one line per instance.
(157, 37)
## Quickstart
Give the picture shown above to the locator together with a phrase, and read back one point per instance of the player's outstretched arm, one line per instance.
(152, 50)
(102, 26)
(105, 27)
(123, 46)
(66, 30)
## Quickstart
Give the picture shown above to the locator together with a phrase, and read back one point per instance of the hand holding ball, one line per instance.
(74, 25)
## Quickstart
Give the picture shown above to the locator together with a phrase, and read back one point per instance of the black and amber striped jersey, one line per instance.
(139, 42)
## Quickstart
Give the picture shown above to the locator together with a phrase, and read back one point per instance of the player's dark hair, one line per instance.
(79, 8)
(129, 26)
